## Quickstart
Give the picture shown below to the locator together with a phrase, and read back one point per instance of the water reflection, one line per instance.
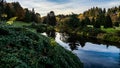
(51, 33)
(92, 52)
(73, 40)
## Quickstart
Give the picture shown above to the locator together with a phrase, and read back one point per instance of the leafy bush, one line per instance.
(91, 31)
(24, 49)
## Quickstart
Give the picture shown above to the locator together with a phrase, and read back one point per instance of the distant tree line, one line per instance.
(108, 18)
(14, 9)
(95, 16)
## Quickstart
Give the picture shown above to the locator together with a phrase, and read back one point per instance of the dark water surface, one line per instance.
(92, 54)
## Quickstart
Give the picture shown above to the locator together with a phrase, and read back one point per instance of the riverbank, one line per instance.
(108, 37)
(21, 48)
(95, 33)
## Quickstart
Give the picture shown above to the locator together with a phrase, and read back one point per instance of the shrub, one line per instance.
(24, 49)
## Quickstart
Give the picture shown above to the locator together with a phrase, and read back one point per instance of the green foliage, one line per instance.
(108, 22)
(73, 21)
(88, 31)
(28, 16)
(50, 19)
(40, 28)
(112, 38)
(20, 24)
(85, 22)
(69, 23)
(98, 22)
(116, 24)
(24, 49)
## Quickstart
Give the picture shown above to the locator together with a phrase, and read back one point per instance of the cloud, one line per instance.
(65, 6)
(59, 1)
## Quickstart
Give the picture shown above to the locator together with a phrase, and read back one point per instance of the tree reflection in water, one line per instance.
(51, 33)
(73, 40)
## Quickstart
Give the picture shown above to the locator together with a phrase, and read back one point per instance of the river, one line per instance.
(92, 54)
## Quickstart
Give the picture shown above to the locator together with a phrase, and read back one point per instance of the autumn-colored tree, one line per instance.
(19, 11)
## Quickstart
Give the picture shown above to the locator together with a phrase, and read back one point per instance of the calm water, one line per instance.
(93, 55)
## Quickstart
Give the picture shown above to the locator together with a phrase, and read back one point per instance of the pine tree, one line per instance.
(28, 15)
(87, 21)
(97, 23)
(108, 22)
(93, 21)
(74, 21)
(50, 19)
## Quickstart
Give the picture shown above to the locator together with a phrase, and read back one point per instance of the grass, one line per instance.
(111, 30)
(108, 30)
(20, 24)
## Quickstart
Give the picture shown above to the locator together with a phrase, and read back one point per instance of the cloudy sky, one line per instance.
(65, 6)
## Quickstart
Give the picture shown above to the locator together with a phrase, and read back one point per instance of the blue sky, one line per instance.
(65, 6)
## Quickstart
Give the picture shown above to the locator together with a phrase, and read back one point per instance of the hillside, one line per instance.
(20, 48)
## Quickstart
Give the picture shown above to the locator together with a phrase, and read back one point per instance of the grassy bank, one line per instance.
(109, 34)
(105, 34)
(21, 48)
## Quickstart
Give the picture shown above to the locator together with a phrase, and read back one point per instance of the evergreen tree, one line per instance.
(73, 21)
(108, 22)
(93, 21)
(97, 23)
(37, 18)
(116, 24)
(50, 19)
(28, 16)
(33, 15)
(87, 21)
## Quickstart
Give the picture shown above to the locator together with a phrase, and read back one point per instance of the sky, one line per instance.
(65, 6)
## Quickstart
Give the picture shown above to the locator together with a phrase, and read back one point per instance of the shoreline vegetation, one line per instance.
(97, 34)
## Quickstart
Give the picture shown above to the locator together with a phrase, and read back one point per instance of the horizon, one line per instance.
(65, 6)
